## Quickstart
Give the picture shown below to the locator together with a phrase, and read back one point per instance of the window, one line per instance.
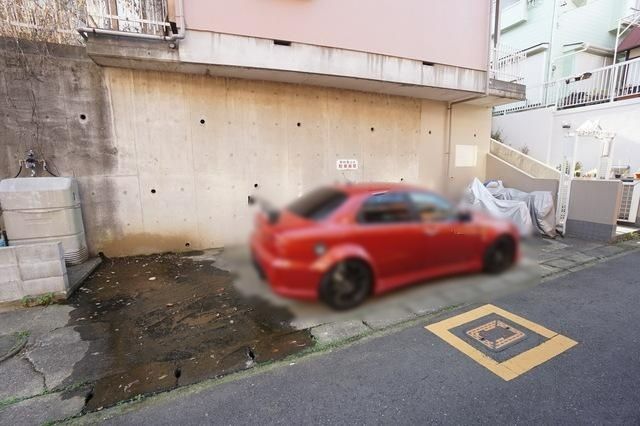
(431, 207)
(318, 204)
(506, 3)
(389, 207)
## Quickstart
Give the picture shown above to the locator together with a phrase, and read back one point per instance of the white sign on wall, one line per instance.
(466, 156)
(347, 164)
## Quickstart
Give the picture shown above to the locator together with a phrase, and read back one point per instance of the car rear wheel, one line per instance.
(346, 285)
(500, 255)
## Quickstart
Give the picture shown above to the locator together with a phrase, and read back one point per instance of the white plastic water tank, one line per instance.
(44, 209)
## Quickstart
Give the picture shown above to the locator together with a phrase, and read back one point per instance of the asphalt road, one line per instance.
(414, 377)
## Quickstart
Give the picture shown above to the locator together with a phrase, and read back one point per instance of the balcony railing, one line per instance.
(607, 84)
(59, 21)
(506, 64)
(129, 16)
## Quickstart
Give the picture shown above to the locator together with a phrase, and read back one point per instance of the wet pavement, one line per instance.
(158, 322)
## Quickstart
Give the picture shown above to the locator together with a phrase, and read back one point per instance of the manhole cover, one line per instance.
(496, 335)
(504, 343)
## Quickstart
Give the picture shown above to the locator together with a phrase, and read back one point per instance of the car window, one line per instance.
(318, 204)
(388, 207)
(431, 207)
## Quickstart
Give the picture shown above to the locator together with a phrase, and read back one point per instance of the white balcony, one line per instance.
(506, 63)
(607, 84)
(148, 17)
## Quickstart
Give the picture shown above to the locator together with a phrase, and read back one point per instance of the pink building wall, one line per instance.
(452, 32)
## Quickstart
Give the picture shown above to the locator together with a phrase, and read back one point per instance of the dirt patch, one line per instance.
(158, 322)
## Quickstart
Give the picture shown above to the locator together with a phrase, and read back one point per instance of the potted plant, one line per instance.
(578, 169)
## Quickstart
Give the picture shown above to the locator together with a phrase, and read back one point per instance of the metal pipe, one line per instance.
(179, 17)
(496, 29)
(449, 132)
(495, 38)
(472, 97)
(554, 23)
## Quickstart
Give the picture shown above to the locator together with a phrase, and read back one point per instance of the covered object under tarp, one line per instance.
(527, 210)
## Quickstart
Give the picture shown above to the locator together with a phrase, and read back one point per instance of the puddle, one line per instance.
(162, 321)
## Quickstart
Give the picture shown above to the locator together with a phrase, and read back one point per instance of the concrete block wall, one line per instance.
(593, 209)
(32, 270)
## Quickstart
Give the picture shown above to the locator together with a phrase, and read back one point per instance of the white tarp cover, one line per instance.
(478, 197)
(539, 203)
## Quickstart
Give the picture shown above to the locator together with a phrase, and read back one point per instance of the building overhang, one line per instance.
(235, 56)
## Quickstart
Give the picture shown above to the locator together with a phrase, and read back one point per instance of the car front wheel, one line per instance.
(346, 285)
(500, 255)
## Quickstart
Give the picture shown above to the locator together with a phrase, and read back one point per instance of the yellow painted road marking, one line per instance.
(513, 367)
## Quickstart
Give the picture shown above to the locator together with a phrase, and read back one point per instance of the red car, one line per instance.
(343, 243)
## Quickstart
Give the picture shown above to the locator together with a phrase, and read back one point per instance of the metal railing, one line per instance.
(540, 96)
(129, 16)
(60, 21)
(606, 84)
(506, 63)
(141, 19)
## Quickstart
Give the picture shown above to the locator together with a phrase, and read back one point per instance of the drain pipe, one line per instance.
(83, 31)
(472, 97)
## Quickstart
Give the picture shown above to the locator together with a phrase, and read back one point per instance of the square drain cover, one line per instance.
(496, 335)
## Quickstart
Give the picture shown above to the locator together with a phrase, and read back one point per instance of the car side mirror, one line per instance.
(464, 216)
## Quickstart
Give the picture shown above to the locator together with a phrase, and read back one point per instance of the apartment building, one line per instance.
(561, 38)
(179, 111)
(571, 77)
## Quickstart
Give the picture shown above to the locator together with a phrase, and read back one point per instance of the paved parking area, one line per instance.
(52, 376)
(543, 259)
(413, 376)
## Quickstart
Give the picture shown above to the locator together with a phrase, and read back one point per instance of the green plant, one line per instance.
(23, 334)
(497, 135)
(42, 300)
(524, 150)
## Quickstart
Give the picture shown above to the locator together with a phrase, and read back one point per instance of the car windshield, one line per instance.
(318, 204)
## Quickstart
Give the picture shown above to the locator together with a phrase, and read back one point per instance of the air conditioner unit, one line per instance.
(630, 199)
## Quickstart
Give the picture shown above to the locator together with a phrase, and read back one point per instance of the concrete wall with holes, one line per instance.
(193, 148)
(166, 161)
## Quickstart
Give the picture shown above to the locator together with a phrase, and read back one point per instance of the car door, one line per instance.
(389, 231)
(445, 242)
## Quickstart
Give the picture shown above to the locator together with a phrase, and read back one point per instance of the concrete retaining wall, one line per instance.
(166, 161)
(526, 163)
(512, 177)
(32, 270)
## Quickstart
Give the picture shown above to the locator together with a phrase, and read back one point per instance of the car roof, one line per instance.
(373, 187)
